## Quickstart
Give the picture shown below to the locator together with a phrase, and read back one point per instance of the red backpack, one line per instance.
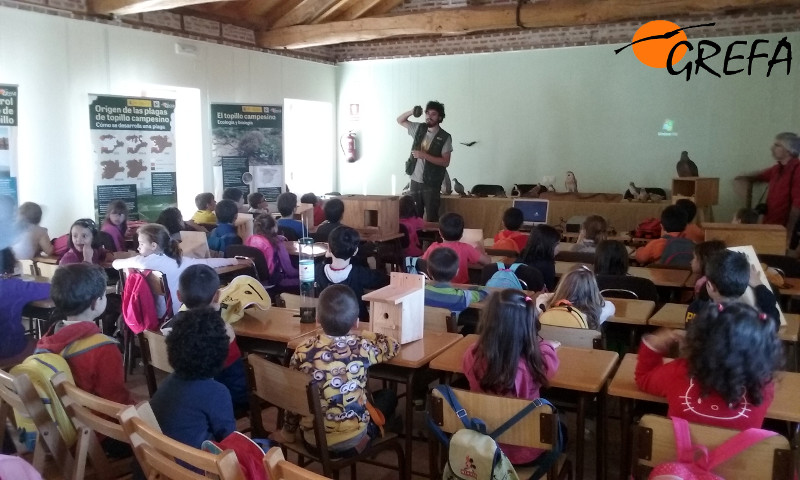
(649, 228)
(139, 304)
(61, 245)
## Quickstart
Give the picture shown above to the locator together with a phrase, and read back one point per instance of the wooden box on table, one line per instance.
(703, 191)
(372, 214)
(398, 310)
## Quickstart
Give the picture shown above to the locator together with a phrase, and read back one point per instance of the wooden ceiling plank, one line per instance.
(331, 12)
(384, 7)
(303, 12)
(359, 8)
(459, 21)
(254, 9)
(282, 9)
(129, 7)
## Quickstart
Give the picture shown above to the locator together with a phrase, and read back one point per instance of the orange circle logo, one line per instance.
(655, 40)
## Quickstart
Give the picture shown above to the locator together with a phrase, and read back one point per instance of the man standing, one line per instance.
(783, 193)
(430, 157)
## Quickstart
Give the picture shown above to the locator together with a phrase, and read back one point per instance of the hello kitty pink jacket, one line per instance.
(671, 380)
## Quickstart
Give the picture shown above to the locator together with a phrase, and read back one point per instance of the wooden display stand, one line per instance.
(769, 239)
(374, 215)
(399, 309)
(703, 191)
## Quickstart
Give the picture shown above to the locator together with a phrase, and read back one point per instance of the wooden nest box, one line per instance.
(372, 214)
(398, 310)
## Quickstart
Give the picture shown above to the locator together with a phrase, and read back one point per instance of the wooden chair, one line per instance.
(279, 468)
(18, 393)
(576, 257)
(440, 320)
(159, 288)
(162, 457)
(46, 270)
(154, 356)
(573, 337)
(654, 443)
(536, 430)
(28, 267)
(92, 416)
(619, 293)
(293, 391)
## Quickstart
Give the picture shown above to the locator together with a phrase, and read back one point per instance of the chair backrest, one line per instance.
(194, 244)
(578, 257)
(46, 270)
(619, 293)
(18, 393)
(537, 429)
(440, 320)
(573, 336)
(279, 468)
(154, 356)
(160, 456)
(91, 415)
(261, 266)
(654, 444)
(644, 288)
(28, 267)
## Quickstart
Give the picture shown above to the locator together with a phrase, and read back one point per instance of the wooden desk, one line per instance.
(271, 330)
(585, 371)
(662, 277)
(623, 385)
(763, 238)
(403, 368)
(631, 312)
(791, 287)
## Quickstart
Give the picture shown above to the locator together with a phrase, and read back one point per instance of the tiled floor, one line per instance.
(420, 451)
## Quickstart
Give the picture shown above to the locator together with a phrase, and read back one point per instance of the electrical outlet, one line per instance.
(548, 180)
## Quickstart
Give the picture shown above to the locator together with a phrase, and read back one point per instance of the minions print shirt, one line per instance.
(338, 365)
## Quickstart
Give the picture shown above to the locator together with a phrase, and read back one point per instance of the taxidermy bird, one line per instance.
(468, 144)
(571, 184)
(459, 189)
(686, 167)
(639, 194)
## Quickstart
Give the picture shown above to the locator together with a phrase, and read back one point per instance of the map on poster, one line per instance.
(133, 147)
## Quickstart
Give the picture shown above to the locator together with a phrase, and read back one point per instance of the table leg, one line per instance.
(625, 416)
(601, 436)
(409, 427)
(580, 433)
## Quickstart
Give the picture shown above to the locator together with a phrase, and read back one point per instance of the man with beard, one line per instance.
(430, 157)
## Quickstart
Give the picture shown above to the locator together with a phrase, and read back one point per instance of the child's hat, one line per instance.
(241, 293)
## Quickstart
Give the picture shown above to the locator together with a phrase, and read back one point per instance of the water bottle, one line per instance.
(308, 306)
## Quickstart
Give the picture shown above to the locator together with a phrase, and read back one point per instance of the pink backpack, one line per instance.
(138, 303)
(695, 462)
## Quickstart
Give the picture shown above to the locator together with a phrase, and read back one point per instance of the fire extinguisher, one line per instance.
(348, 145)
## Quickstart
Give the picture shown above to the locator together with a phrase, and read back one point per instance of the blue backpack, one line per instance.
(505, 277)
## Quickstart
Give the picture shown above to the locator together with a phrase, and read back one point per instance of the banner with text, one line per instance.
(247, 148)
(8, 141)
(133, 141)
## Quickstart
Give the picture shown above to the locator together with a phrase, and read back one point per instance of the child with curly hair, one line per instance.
(725, 378)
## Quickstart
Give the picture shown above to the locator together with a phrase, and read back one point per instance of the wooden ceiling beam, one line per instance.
(359, 8)
(460, 21)
(303, 12)
(129, 7)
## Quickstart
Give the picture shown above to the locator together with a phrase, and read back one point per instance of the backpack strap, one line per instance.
(501, 266)
(515, 266)
(737, 444)
(450, 396)
(683, 440)
(533, 405)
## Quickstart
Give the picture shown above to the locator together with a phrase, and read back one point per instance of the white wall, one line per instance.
(57, 62)
(543, 112)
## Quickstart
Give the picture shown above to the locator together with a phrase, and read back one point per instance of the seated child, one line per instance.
(611, 271)
(451, 228)
(116, 224)
(442, 265)
(172, 219)
(258, 204)
(198, 288)
(673, 223)
(593, 231)
(540, 252)
(79, 294)
(511, 238)
(236, 196)
(413, 223)
(510, 358)
(702, 252)
(725, 376)
(342, 246)
(265, 238)
(287, 203)
(746, 216)
(33, 239)
(190, 405)
(15, 293)
(334, 210)
(693, 232)
(83, 244)
(338, 357)
(225, 234)
(319, 213)
(728, 275)
(205, 204)
(579, 288)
